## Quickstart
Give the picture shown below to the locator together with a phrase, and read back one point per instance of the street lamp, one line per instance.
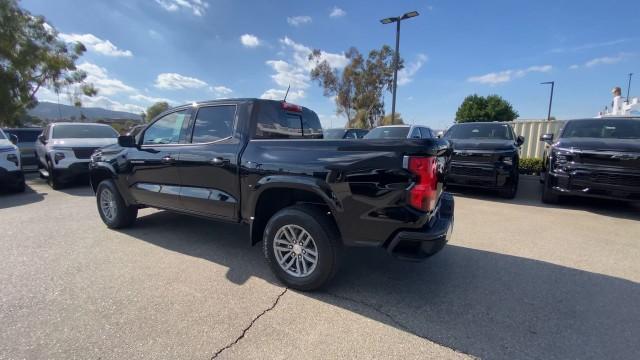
(629, 87)
(550, 97)
(396, 58)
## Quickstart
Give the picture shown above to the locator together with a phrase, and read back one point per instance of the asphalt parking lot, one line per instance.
(519, 280)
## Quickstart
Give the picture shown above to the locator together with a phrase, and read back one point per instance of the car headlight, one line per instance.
(561, 158)
(508, 160)
(58, 156)
(13, 158)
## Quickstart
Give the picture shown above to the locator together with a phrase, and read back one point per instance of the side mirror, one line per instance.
(127, 141)
(440, 134)
(13, 138)
(548, 138)
(520, 140)
(42, 139)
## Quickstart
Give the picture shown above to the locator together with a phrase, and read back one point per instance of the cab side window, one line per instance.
(426, 133)
(166, 130)
(415, 134)
(214, 123)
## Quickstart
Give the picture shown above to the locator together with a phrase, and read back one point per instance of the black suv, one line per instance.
(595, 158)
(485, 155)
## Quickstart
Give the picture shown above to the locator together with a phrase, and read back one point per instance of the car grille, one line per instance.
(84, 152)
(615, 179)
(471, 171)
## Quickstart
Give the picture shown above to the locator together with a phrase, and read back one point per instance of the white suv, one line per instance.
(64, 149)
(11, 175)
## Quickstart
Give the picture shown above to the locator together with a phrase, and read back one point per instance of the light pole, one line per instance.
(550, 97)
(629, 87)
(396, 57)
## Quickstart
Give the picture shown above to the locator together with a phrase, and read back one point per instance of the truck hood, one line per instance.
(598, 144)
(97, 142)
(4, 143)
(484, 145)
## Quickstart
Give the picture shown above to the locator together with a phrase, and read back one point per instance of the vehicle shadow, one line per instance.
(29, 196)
(529, 190)
(482, 303)
(76, 187)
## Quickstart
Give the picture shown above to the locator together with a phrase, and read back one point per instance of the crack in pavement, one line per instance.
(244, 331)
(396, 321)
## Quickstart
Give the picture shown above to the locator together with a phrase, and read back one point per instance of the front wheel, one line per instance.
(52, 179)
(302, 247)
(113, 210)
(548, 197)
(510, 190)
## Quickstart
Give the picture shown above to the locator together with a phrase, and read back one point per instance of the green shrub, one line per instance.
(530, 166)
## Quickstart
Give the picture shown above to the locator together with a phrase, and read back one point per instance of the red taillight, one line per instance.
(423, 194)
(291, 107)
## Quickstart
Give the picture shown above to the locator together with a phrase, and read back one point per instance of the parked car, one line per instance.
(485, 155)
(400, 132)
(11, 175)
(593, 157)
(64, 149)
(344, 133)
(249, 161)
(27, 138)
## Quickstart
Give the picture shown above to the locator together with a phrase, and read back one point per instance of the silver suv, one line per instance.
(11, 175)
(64, 149)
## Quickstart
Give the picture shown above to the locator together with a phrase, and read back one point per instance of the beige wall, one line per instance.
(531, 130)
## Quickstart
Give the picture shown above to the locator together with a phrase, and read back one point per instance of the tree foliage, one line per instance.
(490, 108)
(155, 109)
(32, 56)
(396, 120)
(358, 88)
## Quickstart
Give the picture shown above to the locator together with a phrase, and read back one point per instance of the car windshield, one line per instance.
(83, 132)
(2, 136)
(603, 129)
(333, 133)
(397, 132)
(479, 131)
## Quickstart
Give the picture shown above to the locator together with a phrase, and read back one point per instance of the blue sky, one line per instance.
(185, 50)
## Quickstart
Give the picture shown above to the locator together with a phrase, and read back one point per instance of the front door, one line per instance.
(153, 177)
(208, 164)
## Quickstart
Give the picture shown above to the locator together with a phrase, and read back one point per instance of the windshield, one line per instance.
(333, 133)
(399, 132)
(479, 131)
(2, 136)
(83, 132)
(603, 129)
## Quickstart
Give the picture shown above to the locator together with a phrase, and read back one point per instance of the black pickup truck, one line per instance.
(264, 163)
(595, 158)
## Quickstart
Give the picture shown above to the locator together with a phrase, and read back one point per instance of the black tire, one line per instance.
(511, 189)
(124, 215)
(325, 236)
(20, 187)
(548, 196)
(52, 179)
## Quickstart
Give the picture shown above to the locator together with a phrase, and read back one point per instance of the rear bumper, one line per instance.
(478, 175)
(580, 183)
(11, 178)
(416, 245)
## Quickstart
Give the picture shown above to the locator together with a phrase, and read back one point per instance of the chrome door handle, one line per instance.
(167, 160)
(219, 161)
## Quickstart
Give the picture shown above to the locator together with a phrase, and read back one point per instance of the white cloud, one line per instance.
(155, 35)
(337, 12)
(94, 43)
(589, 46)
(150, 99)
(100, 101)
(574, 66)
(99, 77)
(405, 75)
(197, 7)
(495, 78)
(295, 71)
(249, 40)
(299, 20)
(606, 60)
(220, 91)
(277, 94)
(173, 81)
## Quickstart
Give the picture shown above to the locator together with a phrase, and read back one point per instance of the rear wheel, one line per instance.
(112, 209)
(302, 247)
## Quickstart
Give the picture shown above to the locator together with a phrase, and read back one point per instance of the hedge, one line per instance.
(531, 166)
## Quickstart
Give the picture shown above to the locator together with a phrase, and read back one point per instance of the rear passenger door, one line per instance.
(208, 163)
(426, 133)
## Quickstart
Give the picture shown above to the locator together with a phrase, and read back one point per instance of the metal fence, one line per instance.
(531, 130)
